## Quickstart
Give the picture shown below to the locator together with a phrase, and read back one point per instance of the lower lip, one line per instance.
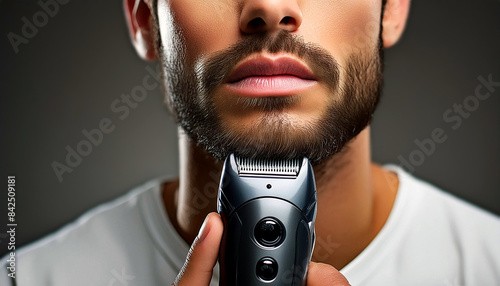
(265, 86)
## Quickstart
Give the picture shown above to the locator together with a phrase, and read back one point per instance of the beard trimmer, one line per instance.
(268, 208)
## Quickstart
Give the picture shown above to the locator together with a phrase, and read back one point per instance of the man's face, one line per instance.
(278, 79)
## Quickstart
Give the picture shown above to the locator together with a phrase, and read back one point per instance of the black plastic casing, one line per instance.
(243, 201)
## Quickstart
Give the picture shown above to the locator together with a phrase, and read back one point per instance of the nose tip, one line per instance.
(260, 16)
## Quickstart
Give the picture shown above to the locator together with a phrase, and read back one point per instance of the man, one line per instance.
(280, 79)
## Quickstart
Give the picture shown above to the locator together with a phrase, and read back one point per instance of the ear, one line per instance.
(138, 15)
(394, 22)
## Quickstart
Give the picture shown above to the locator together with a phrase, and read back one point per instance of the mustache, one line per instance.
(217, 68)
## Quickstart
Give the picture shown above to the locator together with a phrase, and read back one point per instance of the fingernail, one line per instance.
(204, 230)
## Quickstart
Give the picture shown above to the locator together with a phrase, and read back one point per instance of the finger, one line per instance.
(203, 253)
(320, 274)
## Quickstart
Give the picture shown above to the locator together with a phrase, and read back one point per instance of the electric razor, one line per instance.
(268, 208)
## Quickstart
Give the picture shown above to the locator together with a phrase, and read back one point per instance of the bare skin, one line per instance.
(355, 196)
(354, 200)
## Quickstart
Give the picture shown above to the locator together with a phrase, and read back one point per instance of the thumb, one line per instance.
(202, 256)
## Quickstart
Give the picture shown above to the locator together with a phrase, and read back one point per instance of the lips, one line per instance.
(265, 76)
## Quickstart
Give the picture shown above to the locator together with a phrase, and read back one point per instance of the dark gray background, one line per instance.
(65, 79)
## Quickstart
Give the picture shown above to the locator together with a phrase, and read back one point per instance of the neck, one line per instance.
(354, 198)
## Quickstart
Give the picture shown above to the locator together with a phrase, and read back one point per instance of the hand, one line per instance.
(321, 274)
(202, 257)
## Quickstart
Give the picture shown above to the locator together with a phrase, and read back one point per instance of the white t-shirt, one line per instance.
(430, 238)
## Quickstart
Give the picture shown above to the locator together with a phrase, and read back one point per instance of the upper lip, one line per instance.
(266, 66)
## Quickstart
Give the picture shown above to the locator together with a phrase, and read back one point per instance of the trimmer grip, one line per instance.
(268, 221)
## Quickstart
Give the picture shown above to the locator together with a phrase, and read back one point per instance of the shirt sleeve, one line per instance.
(4, 274)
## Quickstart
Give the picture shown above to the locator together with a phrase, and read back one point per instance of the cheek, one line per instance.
(206, 26)
(344, 26)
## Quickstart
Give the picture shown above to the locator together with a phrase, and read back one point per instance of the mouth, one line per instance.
(264, 76)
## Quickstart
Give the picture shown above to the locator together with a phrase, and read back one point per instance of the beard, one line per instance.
(191, 98)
